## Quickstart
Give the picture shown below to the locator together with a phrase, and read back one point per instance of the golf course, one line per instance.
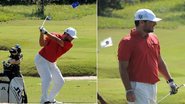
(20, 25)
(170, 32)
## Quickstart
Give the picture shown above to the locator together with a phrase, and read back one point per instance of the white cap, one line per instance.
(71, 31)
(146, 14)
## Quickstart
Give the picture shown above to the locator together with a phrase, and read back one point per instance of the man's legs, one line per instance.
(58, 80)
(45, 75)
(153, 95)
(145, 93)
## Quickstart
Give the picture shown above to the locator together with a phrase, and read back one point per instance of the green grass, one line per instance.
(80, 60)
(171, 11)
(57, 12)
(113, 92)
(74, 91)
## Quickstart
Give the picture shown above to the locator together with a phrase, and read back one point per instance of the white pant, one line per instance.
(145, 93)
(48, 71)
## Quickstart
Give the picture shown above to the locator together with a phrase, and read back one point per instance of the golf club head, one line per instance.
(48, 18)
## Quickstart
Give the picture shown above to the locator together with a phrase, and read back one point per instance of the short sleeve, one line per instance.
(124, 50)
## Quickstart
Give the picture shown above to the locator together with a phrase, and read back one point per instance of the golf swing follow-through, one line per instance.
(53, 46)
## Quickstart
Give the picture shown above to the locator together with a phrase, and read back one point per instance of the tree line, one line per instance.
(105, 7)
(28, 2)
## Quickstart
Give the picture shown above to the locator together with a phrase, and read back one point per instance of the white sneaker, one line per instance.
(57, 102)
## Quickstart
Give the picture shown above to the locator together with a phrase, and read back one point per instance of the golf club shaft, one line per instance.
(44, 21)
(169, 93)
(163, 98)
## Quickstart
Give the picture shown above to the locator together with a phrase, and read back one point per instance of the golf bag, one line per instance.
(11, 82)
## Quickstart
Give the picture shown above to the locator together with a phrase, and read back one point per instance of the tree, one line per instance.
(26, 2)
(102, 5)
(40, 10)
(42, 7)
(105, 6)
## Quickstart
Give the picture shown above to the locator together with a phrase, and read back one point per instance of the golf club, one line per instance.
(47, 18)
(169, 93)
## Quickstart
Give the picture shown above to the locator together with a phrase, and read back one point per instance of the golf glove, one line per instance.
(173, 86)
(43, 30)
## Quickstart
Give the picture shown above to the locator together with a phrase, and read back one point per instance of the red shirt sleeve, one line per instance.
(124, 50)
(158, 44)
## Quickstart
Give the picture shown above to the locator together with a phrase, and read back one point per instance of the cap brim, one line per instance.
(75, 37)
(156, 19)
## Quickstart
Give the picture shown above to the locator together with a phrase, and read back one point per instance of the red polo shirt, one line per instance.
(142, 55)
(52, 50)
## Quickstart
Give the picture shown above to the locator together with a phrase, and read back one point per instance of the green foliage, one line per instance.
(26, 2)
(105, 7)
(57, 12)
(172, 13)
(66, 12)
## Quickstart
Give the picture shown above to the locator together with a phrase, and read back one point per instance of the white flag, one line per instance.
(106, 42)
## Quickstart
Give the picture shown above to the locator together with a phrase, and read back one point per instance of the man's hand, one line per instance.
(173, 86)
(130, 96)
(43, 30)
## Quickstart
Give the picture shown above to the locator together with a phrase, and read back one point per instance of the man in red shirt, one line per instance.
(53, 46)
(140, 61)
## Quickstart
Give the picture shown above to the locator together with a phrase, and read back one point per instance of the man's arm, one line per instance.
(124, 74)
(125, 79)
(42, 41)
(163, 69)
(58, 40)
(43, 32)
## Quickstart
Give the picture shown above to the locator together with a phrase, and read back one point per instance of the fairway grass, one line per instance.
(113, 92)
(73, 91)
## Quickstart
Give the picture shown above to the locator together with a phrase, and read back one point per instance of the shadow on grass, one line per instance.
(71, 70)
(11, 15)
(4, 48)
